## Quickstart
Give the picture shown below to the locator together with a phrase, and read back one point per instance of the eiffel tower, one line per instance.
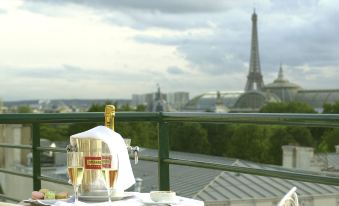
(254, 77)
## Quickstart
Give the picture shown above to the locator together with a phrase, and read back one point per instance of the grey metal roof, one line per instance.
(186, 181)
(230, 186)
(199, 182)
(215, 185)
(331, 160)
(189, 156)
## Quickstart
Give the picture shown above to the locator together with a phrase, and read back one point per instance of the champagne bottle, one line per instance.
(109, 116)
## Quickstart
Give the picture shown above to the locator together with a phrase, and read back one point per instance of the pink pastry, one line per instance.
(37, 195)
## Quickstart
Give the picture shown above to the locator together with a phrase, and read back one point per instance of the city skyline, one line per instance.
(112, 49)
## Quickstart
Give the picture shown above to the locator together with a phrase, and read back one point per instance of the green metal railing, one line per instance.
(163, 119)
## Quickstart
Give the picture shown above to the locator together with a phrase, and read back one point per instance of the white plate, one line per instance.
(100, 198)
(44, 202)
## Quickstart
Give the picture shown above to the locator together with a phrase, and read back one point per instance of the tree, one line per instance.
(140, 108)
(141, 133)
(301, 135)
(331, 108)
(189, 137)
(329, 140)
(329, 137)
(278, 138)
(250, 142)
(287, 107)
(218, 136)
(54, 132)
(96, 107)
(125, 108)
(24, 109)
(80, 127)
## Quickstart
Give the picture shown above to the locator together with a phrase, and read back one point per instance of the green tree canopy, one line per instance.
(278, 138)
(287, 107)
(329, 140)
(330, 137)
(24, 109)
(218, 137)
(54, 132)
(189, 137)
(250, 142)
(141, 133)
(331, 108)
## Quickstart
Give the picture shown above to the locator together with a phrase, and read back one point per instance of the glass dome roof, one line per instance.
(254, 100)
(207, 101)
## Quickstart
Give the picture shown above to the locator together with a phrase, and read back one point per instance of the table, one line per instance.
(134, 199)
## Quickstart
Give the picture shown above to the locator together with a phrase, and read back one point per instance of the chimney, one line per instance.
(337, 149)
(304, 156)
(288, 156)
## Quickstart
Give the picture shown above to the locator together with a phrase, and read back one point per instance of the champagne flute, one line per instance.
(75, 165)
(109, 169)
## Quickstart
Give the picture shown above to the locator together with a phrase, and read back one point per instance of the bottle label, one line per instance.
(93, 163)
(106, 161)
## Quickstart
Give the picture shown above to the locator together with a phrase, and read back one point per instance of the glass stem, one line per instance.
(109, 195)
(76, 188)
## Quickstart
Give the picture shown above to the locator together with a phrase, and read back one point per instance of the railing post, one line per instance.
(36, 156)
(163, 149)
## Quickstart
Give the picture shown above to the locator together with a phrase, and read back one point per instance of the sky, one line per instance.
(110, 49)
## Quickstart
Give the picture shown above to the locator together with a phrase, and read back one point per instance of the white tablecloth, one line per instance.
(138, 199)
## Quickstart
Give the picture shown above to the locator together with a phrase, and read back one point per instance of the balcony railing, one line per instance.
(163, 119)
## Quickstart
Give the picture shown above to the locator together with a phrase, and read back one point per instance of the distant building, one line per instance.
(318, 97)
(61, 105)
(178, 100)
(207, 102)
(159, 104)
(138, 99)
(168, 102)
(285, 90)
(257, 94)
(219, 104)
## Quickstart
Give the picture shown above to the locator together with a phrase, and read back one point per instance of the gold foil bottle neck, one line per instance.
(109, 116)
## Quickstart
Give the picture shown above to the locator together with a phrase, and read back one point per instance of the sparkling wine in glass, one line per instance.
(109, 170)
(75, 169)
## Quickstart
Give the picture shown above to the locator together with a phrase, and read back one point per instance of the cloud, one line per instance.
(209, 42)
(69, 81)
(73, 73)
(175, 70)
(164, 6)
(297, 39)
(142, 21)
(2, 11)
(218, 49)
(175, 14)
(74, 82)
(304, 26)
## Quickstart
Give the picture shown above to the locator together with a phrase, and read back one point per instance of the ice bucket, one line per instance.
(92, 183)
(91, 149)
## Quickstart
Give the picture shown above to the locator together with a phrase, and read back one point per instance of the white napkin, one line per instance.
(116, 144)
